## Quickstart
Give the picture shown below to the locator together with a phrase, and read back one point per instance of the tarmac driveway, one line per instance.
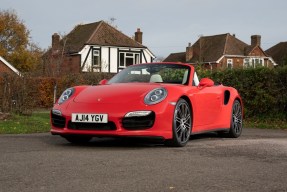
(257, 161)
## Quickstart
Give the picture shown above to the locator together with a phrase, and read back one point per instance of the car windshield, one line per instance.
(153, 73)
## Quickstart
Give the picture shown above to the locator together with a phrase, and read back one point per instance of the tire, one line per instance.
(77, 139)
(181, 125)
(236, 120)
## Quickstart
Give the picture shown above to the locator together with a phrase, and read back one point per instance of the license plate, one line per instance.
(89, 118)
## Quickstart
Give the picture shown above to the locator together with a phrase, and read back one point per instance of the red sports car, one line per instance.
(164, 100)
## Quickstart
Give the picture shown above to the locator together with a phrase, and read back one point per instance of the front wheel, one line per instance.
(236, 120)
(182, 123)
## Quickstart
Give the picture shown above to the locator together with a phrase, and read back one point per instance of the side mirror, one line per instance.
(206, 82)
(103, 82)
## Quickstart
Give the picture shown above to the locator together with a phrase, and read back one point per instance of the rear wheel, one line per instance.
(77, 139)
(236, 120)
(182, 123)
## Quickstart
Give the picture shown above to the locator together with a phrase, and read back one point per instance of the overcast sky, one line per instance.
(168, 25)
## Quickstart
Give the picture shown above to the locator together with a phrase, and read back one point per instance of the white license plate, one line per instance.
(89, 118)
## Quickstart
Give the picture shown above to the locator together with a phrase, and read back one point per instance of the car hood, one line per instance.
(115, 93)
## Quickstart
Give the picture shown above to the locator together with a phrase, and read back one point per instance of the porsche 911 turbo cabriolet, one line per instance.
(161, 100)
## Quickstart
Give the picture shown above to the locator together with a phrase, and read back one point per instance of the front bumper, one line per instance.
(157, 124)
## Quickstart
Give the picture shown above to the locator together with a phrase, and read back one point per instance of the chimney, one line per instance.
(55, 41)
(139, 36)
(189, 52)
(255, 40)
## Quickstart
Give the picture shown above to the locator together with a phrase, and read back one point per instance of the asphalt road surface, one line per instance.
(257, 161)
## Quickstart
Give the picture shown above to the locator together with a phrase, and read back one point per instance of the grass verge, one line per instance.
(265, 123)
(38, 122)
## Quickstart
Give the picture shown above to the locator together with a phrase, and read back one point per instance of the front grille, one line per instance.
(139, 123)
(92, 126)
(58, 121)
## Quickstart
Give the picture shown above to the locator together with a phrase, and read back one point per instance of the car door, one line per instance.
(207, 103)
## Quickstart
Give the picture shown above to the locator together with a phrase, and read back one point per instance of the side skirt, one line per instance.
(211, 130)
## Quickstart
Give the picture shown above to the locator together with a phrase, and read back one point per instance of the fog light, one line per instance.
(56, 112)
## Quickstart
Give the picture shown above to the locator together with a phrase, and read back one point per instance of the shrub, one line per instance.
(263, 90)
(23, 94)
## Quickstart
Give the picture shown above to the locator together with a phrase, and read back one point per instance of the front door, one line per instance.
(207, 104)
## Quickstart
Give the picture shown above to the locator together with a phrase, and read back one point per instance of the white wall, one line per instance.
(114, 60)
(105, 59)
(148, 56)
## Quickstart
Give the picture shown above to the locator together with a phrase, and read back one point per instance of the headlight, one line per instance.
(155, 96)
(66, 95)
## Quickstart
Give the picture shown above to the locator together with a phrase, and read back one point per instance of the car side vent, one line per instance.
(226, 97)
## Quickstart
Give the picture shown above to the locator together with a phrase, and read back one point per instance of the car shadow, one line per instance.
(130, 142)
(203, 136)
(117, 143)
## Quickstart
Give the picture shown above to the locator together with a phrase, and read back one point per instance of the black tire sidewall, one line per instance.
(175, 141)
(231, 131)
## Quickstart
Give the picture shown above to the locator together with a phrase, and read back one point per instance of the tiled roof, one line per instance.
(211, 48)
(176, 57)
(98, 33)
(278, 53)
(235, 46)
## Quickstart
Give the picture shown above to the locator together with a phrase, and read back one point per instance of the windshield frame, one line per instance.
(151, 69)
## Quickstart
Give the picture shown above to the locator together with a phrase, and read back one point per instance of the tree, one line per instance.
(15, 44)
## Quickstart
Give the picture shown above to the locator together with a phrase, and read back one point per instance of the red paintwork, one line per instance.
(206, 82)
(209, 111)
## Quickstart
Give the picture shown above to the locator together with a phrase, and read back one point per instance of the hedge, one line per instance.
(24, 94)
(263, 90)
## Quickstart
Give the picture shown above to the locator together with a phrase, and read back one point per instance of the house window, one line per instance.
(253, 62)
(229, 63)
(257, 62)
(96, 58)
(246, 63)
(128, 58)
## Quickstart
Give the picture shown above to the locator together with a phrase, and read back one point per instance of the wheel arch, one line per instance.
(241, 103)
(188, 101)
(230, 95)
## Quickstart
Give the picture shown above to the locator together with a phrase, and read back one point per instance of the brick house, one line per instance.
(95, 47)
(224, 51)
(7, 68)
(279, 53)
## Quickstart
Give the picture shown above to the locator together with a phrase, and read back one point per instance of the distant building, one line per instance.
(224, 51)
(279, 53)
(95, 47)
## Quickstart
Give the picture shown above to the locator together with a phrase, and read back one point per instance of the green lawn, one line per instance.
(38, 122)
